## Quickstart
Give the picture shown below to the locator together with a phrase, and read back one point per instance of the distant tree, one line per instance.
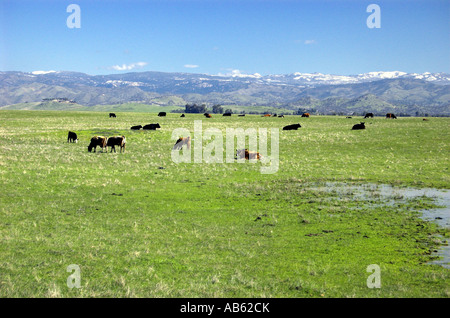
(228, 111)
(217, 109)
(195, 108)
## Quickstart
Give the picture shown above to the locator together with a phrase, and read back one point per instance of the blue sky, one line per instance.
(225, 36)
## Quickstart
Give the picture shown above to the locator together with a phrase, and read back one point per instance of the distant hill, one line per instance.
(413, 94)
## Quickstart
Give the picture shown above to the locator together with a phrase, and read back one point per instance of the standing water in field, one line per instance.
(391, 195)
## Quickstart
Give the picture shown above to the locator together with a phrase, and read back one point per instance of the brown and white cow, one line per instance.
(183, 141)
(116, 141)
(97, 141)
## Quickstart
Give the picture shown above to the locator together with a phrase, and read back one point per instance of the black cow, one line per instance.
(97, 141)
(358, 126)
(112, 115)
(369, 115)
(136, 127)
(72, 137)
(207, 115)
(162, 114)
(151, 126)
(116, 141)
(292, 127)
(241, 115)
(227, 114)
(390, 115)
(182, 115)
(281, 116)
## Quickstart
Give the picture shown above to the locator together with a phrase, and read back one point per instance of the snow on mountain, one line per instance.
(330, 79)
(42, 72)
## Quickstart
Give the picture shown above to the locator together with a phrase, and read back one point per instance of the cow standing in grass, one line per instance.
(97, 141)
(181, 142)
(112, 115)
(116, 141)
(391, 115)
(72, 137)
(369, 115)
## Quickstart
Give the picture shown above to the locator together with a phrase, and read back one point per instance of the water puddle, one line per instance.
(384, 194)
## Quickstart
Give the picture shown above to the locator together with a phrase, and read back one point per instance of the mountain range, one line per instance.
(378, 92)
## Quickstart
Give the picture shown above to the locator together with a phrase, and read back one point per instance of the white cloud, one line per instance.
(191, 66)
(127, 67)
(309, 42)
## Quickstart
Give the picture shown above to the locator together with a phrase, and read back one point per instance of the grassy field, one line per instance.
(139, 225)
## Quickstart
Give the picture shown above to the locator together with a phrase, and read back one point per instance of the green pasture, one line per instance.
(140, 225)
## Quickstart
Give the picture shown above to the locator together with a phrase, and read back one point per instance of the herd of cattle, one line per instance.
(112, 142)
(100, 141)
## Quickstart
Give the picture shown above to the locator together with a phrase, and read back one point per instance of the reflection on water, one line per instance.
(389, 195)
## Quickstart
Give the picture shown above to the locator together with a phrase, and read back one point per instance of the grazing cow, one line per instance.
(136, 127)
(241, 115)
(97, 141)
(162, 114)
(358, 126)
(292, 127)
(266, 115)
(274, 115)
(182, 115)
(112, 115)
(183, 141)
(245, 153)
(390, 115)
(151, 126)
(207, 115)
(281, 116)
(369, 115)
(72, 137)
(227, 114)
(116, 141)
(305, 115)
